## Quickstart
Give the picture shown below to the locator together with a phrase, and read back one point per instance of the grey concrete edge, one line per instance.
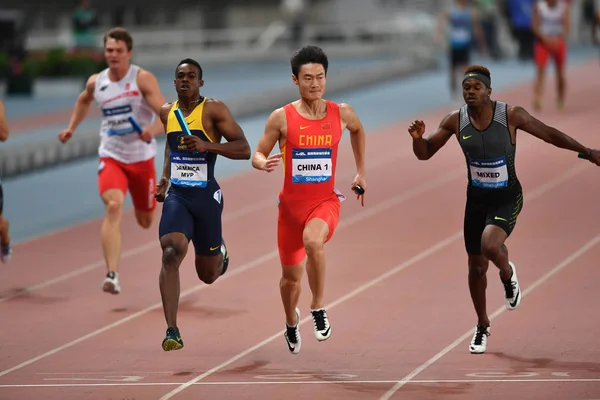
(16, 160)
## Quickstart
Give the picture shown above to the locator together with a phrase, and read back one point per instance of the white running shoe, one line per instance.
(111, 283)
(292, 335)
(5, 254)
(512, 290)
(479, 340)
(321, 323)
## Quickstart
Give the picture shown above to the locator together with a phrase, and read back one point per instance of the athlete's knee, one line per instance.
(114, 206)
(208, 268)
(313, 240)
(291, 277)
(172, 256)
(478, 266)
(490, 249)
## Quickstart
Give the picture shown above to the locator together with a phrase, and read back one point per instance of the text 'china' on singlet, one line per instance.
(310, 154)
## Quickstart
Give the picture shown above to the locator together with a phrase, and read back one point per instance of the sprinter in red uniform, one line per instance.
(308, 132)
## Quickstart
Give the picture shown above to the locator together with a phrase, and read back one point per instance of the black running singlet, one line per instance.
(490, 154)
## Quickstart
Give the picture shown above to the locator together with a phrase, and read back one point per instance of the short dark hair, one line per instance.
(479, 69)
(192, 62)
(121, 34)
(308, 55)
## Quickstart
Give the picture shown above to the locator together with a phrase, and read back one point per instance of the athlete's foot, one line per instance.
(479, 341)
(292, 335)
(512, 290)
(111, 283)
(172, 340)
(225, 257)
(5, 253)
(321, 323)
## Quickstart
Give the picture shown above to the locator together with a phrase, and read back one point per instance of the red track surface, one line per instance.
(396, 291)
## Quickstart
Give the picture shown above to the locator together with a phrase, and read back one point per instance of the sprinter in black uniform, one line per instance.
(194, 202)
(486, 131)
(5, 248)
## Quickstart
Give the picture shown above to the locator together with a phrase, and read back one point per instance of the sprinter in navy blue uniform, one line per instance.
(194, 202)
(487, 132)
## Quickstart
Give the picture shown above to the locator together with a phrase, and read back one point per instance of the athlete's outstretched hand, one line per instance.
(272, 162)
(161, 189)
(417, 129)
(359, 180)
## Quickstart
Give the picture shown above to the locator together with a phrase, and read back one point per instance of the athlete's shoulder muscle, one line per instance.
(164, 111)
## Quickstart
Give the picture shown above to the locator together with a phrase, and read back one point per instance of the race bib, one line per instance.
(311, 165)
(189, 170)
(489, 173)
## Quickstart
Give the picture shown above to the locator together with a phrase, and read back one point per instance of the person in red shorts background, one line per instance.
(551, 27)
(308, 131)
(123, 91)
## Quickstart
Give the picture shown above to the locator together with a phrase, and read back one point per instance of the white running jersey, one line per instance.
(118, 101)
(551, 18)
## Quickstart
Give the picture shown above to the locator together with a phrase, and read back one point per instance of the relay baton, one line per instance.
(358, 190)
(184, 126)
(585, 156)
(136, 126)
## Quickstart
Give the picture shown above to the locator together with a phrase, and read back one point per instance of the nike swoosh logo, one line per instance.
(500, 219)
(289, 344)
(514, 303)
(326, 332)
(214, 248)
(304, 127)
(466, 137)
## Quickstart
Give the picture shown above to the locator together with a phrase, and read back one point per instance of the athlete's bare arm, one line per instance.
(425, 148)
(520, 119)
(150, 88)
(236, 147)
(274, 132)
(3, 123)
(82, 106)
(163, 182)
(357, 137)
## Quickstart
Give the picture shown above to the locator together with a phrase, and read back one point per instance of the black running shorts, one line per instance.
(490, 207)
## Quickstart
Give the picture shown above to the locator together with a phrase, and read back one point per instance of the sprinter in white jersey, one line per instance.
(551, 27)
(130, 99)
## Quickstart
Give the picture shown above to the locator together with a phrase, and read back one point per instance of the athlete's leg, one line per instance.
(291, 255)
(474, 225)
(494, 249)
(141, 179)
(175, 229)
(540, 58)
(319, 229)
(5, 249)
(112, 184)
(212, 258)
(560, 60)
(500, 223)
(478, 266)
